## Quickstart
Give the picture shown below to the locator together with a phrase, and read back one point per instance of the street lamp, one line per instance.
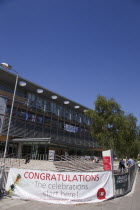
(8, 67)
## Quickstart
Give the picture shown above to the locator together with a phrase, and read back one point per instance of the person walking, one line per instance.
(121, 165)
(138, 162)
(27, 160)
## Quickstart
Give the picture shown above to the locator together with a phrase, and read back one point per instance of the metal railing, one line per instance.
(123, 181)
(12, 160)
(75, 163)
(3, 179)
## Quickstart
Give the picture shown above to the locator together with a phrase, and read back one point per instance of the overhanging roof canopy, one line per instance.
(32, 140)
(8, 77)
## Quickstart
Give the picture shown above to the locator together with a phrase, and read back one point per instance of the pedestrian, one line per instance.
(138, 162)
(130, 162)
(27, 160)
(121, 164)
(97, 160)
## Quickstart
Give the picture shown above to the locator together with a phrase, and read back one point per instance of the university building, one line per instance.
(42, 121)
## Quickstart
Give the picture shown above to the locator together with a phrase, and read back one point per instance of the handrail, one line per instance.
(12, 160)
(74, 163)
(63, 162)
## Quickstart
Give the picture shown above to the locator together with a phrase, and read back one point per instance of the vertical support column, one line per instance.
(19, 149)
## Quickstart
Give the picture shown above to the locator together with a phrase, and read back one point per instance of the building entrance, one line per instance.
(26, 150)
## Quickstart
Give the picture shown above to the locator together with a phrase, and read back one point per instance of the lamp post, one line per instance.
(8, 67)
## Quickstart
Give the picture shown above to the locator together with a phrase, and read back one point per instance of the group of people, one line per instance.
(95, 159)
(129, 163)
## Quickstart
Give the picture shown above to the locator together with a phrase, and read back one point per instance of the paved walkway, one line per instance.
(129, 202)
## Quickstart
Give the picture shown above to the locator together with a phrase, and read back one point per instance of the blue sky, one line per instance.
(77, 48)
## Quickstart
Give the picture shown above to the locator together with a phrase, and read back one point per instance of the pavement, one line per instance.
(130, 202)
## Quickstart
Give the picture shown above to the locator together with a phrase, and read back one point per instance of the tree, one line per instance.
(112, 127)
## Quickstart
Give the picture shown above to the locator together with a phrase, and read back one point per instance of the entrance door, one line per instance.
(27, 149)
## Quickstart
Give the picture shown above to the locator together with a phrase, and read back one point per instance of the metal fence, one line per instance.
(123, 182)
(3, 179)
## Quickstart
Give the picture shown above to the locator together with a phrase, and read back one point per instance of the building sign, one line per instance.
(107, 160)
(121, 181)
(70, 128)
(66, 154)
(60, 187)
(51, 154)
(2, 111)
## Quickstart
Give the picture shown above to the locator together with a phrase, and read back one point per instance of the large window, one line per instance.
(47, 106)
(39, 102)
(68, 113)
(54, 108)
(61, 111)
(32, 98)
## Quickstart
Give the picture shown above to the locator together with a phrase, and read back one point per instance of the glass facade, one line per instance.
(37, 116)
